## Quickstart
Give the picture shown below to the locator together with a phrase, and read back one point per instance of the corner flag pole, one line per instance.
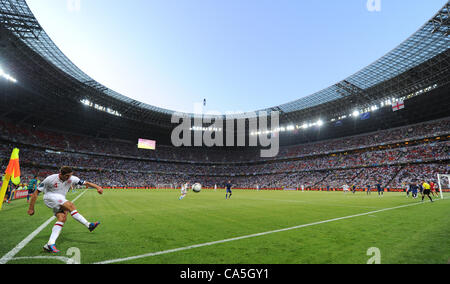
(12, 173)
(5, 179)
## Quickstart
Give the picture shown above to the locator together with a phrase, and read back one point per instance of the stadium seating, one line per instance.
(392, 158)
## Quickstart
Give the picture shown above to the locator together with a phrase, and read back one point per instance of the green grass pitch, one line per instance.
(154, 227)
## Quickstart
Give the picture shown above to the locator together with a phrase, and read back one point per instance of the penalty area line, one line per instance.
(10, 255)
(250, 236)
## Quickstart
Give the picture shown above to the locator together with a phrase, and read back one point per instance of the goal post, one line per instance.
(165, 186)
(444, 183)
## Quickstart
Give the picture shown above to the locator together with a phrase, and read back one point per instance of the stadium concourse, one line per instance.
(393, 158)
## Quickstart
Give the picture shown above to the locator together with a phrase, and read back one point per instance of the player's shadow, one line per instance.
(64, 241)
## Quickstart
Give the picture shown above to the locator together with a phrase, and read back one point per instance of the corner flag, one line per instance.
(12, 173)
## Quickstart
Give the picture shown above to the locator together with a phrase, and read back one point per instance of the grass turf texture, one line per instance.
(138, 222)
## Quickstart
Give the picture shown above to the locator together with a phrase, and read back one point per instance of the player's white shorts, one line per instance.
(54, 201)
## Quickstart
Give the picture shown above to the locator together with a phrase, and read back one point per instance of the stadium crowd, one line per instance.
(392, 158)
(83, 144)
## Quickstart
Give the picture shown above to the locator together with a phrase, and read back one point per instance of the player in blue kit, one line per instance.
(228, 186)
(414, 190)
(409, 190)
(380, 189)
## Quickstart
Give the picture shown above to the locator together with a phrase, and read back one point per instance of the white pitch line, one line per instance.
(10, 255)
(60, 258)
(249, 236)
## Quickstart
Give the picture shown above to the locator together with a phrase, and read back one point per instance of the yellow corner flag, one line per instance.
(12, 173)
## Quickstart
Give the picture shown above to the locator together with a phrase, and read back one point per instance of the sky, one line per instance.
(239, 55)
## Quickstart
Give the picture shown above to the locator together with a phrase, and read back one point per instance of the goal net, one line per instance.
(443, 184)
(165, 186)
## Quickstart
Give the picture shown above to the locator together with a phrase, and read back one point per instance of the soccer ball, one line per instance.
(197, 187)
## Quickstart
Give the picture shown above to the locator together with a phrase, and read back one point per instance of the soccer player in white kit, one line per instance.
(184, 189)
(55, 188)
(346, 188)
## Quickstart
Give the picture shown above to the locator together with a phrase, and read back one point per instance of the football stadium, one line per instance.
(356, 173)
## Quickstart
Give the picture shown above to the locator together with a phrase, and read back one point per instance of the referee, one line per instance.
(426, 191)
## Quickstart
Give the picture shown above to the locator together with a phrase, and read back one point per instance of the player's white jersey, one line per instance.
(346, 188)
(184, 188)
(53, 184)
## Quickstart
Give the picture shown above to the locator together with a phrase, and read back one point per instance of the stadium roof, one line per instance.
(17, 17)
(431, 40)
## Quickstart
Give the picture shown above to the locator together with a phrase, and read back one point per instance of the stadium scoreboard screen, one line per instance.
(146, 144)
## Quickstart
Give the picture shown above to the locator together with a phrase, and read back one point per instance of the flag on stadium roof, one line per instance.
(398, 105)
